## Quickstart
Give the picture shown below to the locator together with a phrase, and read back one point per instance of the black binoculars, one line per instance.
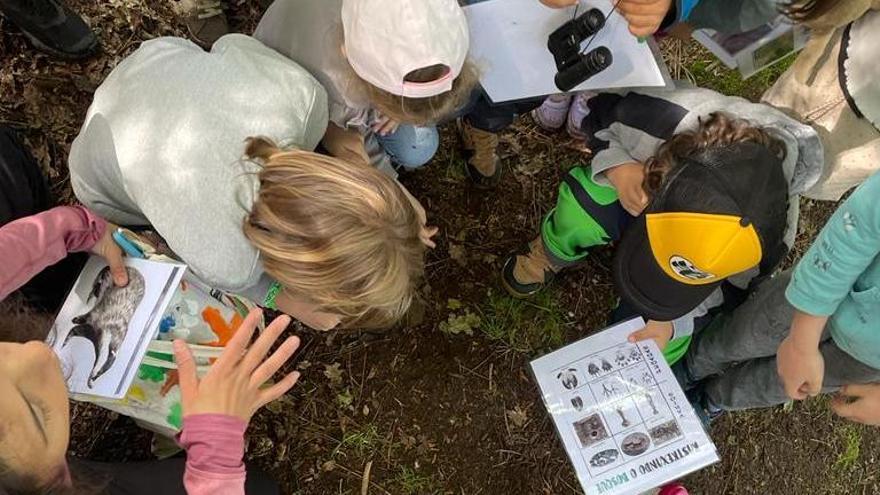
(565, 44)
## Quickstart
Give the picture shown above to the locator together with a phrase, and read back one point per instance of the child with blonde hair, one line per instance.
(392, 68)
(326, 241)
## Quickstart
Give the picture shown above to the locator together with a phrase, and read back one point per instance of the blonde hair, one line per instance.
(342, 234)
(425, 111)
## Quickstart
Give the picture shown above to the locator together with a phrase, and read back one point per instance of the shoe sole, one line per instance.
(90, 51)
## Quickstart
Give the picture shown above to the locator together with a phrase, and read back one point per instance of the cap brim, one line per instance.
(652, 293)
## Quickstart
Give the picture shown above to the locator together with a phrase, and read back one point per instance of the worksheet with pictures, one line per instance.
(622, 417)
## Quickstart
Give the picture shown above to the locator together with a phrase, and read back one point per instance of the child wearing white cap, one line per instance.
(392, 69)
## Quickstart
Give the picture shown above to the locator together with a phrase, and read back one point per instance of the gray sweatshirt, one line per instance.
(162, 145)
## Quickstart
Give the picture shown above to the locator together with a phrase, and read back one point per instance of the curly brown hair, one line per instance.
(717, 131)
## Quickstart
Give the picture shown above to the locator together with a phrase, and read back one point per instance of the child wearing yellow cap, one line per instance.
(700, 188)
(808, 331)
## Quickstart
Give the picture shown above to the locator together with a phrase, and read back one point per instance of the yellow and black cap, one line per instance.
(718, 214)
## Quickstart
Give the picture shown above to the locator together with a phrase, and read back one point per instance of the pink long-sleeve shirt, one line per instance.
(214, 443)
(30, 244)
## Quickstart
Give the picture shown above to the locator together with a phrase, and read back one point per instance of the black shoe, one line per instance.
(51, 27)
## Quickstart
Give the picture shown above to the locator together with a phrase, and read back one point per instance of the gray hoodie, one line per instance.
(162, 145)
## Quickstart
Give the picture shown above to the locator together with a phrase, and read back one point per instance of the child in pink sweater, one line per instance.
(34, 411)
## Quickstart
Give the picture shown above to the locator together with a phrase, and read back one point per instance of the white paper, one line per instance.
(97, 315)
(622, 417)
(509, 45)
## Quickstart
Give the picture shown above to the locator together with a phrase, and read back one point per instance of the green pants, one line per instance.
(587, 215)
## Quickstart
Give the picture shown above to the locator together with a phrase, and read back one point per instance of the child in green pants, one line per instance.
(640, 141)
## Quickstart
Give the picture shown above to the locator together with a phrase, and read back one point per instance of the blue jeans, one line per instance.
(410, 146)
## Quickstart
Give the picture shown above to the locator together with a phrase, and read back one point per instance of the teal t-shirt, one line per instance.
(839, 276)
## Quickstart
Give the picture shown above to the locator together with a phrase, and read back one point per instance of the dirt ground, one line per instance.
(444, 404)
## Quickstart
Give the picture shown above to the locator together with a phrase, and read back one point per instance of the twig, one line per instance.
(365, 482)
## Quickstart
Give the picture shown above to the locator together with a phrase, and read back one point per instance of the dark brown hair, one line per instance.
(20, 323)
(806, 10)
(717, 131)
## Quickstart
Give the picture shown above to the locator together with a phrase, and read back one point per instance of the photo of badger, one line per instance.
(107, 322)
(102, 331)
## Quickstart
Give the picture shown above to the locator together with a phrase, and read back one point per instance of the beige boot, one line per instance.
(526, 274)
(481, 147)
(207, 22)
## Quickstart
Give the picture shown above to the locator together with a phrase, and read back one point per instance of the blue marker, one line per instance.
(129, 247)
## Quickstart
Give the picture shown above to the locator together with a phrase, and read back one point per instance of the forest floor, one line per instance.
(445, 404)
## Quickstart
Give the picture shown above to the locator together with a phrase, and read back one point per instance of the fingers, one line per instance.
(794, 389)
(390, 127)
(559, 4)
(846, 409)
(236, 346)
(115, 260)
(279, 389)
(260, 348)
(427, 234)
(812, 388)
(855, 391)
(186, 373)
(270, 366)
(643, 334)
(379, 123)
(642, 29)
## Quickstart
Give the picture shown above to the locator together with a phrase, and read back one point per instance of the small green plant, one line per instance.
(461, 323)
(712, 74)
(360, 441)
(413, 483)
(524, 326)
(853, 446)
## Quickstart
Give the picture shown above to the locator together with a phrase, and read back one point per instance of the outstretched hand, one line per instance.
(859, 403)
(112, 253)
(234, 385)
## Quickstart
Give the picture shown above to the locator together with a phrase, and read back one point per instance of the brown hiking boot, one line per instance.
(483, 164)
(207, 22)
(526, 274)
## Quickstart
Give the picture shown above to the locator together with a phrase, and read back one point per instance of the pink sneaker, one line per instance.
(673, 489)
(551, 114)
(578, 112)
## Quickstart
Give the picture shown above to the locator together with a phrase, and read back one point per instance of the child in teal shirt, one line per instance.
(809, 331)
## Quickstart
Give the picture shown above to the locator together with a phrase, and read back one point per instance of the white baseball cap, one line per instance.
(387, 39)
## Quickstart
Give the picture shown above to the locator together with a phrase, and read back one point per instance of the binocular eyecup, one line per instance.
(583, 67)
(570, 35)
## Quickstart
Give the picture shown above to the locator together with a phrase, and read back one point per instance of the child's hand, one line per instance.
(559, 4)
(234, 384)
(644, 16)
(859, 403)
(427, 233)
(800, 368)
(798, 361)
(110, 251)
(627, 179)
(660, 331)
(384, 126)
